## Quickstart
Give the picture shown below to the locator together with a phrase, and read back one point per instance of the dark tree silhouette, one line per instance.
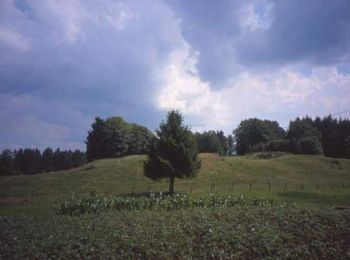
(173, 153)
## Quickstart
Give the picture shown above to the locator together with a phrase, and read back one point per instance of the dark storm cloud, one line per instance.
(211, 27)
(91, 59)
(65, 62)
(316, 32)
(312, 31)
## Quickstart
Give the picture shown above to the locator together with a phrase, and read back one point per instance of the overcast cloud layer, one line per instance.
(65, 62)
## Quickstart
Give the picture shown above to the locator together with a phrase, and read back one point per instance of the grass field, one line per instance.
(285, 211)
(220, 233)
(312, 181)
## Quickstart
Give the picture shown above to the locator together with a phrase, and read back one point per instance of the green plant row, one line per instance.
(247, 232)
(97, 204)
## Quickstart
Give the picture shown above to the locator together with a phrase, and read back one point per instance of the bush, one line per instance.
(96, 204)
(279, 145)
(309, 145)
(260, 147)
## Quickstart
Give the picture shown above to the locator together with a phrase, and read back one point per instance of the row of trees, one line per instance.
(31, 161)
(214, 142)
(115, 137)
(328, 136)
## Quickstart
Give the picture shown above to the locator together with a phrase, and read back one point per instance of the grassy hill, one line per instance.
(310, 180)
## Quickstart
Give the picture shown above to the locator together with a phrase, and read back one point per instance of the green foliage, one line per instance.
(208, 142)
(240, 232)
(31, 161)
(115, 137)
(173, 153)
(64, 160)
(304, 137)
(328, 136)
(140, 139)
(214, 142)
(97, 141)
(47, 160)
(280, 145)
(347, 147)
(125, 175)
(230, 145)
(309, 145)
(252, 132)
(334, 136)
(7, 162)
(96, 204)
(276, 145)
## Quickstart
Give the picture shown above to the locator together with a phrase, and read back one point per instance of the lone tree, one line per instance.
(173, 153)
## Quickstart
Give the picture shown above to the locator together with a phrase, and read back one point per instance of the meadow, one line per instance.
(256, 206)
(314, 181)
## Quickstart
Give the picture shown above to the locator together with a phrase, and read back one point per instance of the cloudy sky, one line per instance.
(64, 62)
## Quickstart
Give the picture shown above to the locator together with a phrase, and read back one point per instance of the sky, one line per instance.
(65, 62)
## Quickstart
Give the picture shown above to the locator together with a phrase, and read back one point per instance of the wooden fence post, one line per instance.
(302, 186)
(250, 187)
(269, 186)
(212, 187)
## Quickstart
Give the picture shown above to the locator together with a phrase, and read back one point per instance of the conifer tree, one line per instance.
(173, 153)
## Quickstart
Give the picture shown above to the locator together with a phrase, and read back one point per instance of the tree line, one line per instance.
(114, 137)
(328, 136)
(214, 142)
(31, 161)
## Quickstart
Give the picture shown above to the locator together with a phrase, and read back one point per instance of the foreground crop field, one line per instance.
(308, 180)
(237, 232)
(257, 206)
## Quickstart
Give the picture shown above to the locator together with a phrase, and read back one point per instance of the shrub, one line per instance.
(309, 145)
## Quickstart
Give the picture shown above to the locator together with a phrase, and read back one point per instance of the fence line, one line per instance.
(214, 187)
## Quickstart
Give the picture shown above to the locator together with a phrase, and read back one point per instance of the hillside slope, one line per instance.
(290, 176)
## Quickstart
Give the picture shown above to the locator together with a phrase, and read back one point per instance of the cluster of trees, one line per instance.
(31, 161)
(115, 137)
(214, 142)
(328, 136)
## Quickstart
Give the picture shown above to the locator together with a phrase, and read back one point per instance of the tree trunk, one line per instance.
(171, 187)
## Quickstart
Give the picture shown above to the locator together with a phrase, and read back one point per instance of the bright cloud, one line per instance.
(246, 95)
(182, 89)
(65, 62)
(14, 39)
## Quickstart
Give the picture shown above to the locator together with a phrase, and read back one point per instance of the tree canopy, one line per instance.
(252, 132)
(115, 137)
(32, 161)
(173, 153)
